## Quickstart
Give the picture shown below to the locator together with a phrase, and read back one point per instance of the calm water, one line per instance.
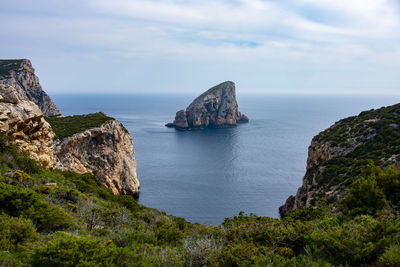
(205, 176)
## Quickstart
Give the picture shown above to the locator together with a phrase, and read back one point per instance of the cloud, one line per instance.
(249, 35)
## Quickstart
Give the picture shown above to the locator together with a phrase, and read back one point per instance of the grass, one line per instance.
(70, 125)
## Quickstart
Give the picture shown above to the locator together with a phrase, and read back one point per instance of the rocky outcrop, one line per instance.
(20, 75)
(337, 155)
(217, 108)
(106, 151)
(24, 122)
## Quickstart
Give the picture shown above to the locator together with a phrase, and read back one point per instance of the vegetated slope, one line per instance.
(70, 125)
(337, 156)
(61, 218)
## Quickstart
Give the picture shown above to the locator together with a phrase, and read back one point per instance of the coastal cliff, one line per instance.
(337, 155)
(105, 149)
(24, 122)
(91, 143)
(217, 107)
(20, 74)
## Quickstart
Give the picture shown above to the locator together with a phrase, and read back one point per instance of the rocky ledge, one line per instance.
(217, 108)
(20, 74)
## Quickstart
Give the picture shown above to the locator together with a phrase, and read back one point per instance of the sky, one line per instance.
(187, 46)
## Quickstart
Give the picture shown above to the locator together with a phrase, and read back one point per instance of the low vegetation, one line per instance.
(70, 125)
(61, 218)
(7, 65)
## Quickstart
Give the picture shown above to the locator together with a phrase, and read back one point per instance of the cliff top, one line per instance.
(214, 89)
(372, 135)
(7, 65)
(70, 125)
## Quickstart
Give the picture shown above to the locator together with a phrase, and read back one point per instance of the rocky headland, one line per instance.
(216, 108)
(106, 150)
(337, 155)
(91, 143)
(19, 74)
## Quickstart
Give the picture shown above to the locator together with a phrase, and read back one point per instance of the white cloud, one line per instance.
(243, 34)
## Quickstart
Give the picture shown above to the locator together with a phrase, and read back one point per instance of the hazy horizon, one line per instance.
(174, 46)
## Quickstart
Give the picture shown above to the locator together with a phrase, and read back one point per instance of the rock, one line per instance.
(24, 121)
(9, 94)
(337, 155)
(106, 151)
(20, 75)
(216, 108)
(181, 120)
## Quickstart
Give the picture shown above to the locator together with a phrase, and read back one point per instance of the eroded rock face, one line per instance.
(106, 151)
(217, 107)
(20, 75)
(24, 122)
(337, 155)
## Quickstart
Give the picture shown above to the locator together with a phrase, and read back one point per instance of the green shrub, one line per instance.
(356, 242)
(15, 232)
(391, 256)
(69, 250)
(16, 202)
(11, 157)
(70, 125)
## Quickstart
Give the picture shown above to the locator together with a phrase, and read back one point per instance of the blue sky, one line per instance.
(187, 46)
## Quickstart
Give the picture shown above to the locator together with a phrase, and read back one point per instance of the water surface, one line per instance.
(205, 176)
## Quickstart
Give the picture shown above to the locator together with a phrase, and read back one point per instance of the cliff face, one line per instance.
(21, 76)
(23, 120)
(106, 151)
(337, 155)
(217, 107)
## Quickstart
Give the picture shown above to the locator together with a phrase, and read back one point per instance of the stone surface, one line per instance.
(217, 108)
(20, 75)
(106, 151)
(24, 122)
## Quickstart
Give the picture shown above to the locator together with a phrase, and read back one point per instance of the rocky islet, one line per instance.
(215, 108)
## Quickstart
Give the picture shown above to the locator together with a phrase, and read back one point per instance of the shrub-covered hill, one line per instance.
(70, 125)
(338, 156)
(61, 218)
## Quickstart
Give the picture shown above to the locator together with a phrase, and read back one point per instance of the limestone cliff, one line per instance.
(337, 155)
(217, 107)
(21, 76)
(105, 150)
(24, 122)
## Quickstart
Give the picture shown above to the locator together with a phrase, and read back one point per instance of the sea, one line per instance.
(206, 176)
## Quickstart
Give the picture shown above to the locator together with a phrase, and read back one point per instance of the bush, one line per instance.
(69, 250)
(70, 125)
(391, 256)
(359, 241)
(16, 202)
(15, 232)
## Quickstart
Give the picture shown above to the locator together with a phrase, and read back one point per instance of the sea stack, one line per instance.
(215, 108)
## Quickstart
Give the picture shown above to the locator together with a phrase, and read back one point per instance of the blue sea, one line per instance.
(205, 176)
